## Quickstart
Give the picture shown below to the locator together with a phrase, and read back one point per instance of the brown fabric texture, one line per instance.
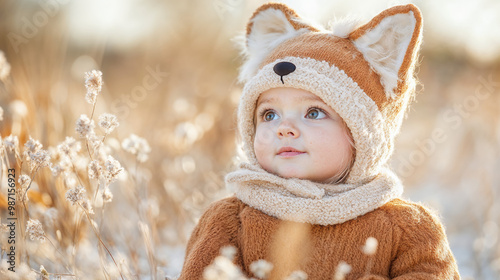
(411, 243)
(336, 51)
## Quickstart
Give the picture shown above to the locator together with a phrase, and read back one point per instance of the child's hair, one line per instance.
(341, 177)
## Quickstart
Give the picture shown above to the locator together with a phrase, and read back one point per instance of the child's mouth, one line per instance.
(289, 152)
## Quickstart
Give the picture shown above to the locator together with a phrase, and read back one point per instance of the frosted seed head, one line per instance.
(107, 195)
(228, 252)
(261, 268)
(93, 83)
(222, 268)
(108, 122)
(40, 159)
(95, 170)
(69, 146)
(297, 275)
(24, 180)
(112, 168)
(342, 270)
(32, 146)
(137, 146)
(84, 126)
(370, 247)
(76, 195)
(35, 155)
(35, 230)
(11, 143)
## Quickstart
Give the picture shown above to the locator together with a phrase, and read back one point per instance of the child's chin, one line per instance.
(292, 174)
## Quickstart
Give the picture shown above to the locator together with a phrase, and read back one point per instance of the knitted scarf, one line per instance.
(309, 202)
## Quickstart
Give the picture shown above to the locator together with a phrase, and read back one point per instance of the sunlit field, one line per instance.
(112, 168)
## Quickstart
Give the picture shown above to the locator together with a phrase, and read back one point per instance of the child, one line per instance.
(318, 116)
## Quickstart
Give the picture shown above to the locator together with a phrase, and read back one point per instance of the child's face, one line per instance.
(299, 136)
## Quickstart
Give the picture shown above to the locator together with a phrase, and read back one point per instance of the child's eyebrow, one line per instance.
(266, 100)
(301, 99)
(311, 98)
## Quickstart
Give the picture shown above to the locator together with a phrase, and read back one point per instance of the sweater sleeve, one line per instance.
(421, 249)
(218, 227)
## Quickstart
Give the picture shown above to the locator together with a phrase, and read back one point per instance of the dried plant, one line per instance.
(261, 268)
(75, 171)
(342, 270)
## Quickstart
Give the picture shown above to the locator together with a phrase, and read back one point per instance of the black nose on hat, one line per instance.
(284, 68)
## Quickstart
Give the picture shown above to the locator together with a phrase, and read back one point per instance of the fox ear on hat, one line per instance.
(269, 26)
(390, 43)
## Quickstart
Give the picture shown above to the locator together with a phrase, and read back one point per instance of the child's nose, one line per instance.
(287, 129)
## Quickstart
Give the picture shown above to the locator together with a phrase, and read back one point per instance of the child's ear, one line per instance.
(390, 43)
(270, 25)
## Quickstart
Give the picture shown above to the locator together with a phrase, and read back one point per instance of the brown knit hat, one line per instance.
(364, 73)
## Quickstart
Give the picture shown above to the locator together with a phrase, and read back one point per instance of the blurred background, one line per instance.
(169, 70)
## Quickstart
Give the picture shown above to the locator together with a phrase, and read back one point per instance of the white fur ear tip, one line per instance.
(243, 77)
(240, 42)
(270, 20)
(343, 27)
(241, 80)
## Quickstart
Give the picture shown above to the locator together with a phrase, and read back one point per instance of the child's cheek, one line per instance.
(263, 144)
(263, 136)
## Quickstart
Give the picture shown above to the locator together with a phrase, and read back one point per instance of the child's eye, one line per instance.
(315, 113)
(269, 116)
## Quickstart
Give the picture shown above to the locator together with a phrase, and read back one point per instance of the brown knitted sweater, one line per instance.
(411, 243)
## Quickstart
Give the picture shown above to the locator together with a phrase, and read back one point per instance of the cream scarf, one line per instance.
(308, 202)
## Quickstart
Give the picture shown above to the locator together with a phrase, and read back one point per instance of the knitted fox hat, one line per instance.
(364, 73)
